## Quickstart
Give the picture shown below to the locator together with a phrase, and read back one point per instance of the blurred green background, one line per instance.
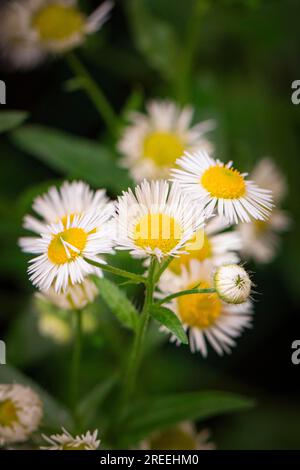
(234, 61)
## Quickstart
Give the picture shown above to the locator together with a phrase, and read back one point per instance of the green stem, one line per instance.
(135, 357)
(161, 268)
(190, 49)
(95, 93)
(186, 292)
(118, 272)
(75, 363)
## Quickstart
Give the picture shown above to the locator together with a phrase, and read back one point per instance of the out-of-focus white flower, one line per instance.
(221, 187)
(21, 411)
(261, 239)
(58, 204)
(152, 142)
(268, 176)
(74, 298)
(157, 219)
(184, 436)
(55, 327)
(31, 29)
(65, 441)
(205, 316)
(211, 243)
(232, 283)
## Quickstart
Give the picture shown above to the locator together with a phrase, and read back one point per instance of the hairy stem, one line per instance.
(186, 292)
(136, 278)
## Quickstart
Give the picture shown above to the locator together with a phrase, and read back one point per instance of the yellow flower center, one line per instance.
(157, 231)
(67, 245)
(199, 248)
(223, 182)
(8, 413)
(199, 310)
(58, 22)
(173, 439)
(163, 148)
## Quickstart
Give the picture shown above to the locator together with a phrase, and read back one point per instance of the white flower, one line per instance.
(212, 243)
(219, 186)
(31, 29)
(62, 247)
(55, 317)
(267, 175)
(184, 436)
(71, 199)
(153, 141)
(261, 239)
(157, 219)
(205, 316)
(54, 327)
(21, 411)
(74, 298)
(232, 283)
(66, 441)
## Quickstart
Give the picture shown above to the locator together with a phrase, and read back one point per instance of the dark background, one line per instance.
(246, 57)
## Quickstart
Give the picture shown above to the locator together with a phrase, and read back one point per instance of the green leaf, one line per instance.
(11, 119)
(167, 318)
(55, 415)
(90, 404)
(118, 302)
(74, 156)
(157, 413)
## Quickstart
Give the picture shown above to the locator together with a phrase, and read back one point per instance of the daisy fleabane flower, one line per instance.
(152, 142)
(32, 29)
(222, 188)
(183, 436)
(212, 243)
(156, 219)
(261, 239)
(73, 222)
(21, 411)
(206, 317)
(62, 247)
(65, 441)
(57, 204)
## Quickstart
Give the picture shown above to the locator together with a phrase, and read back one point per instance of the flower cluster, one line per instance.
(187, 224)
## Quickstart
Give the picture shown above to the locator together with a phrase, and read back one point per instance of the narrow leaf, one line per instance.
(157, 413)
(74, 156)
(11, 119)
(168, 319)
(89, 405)
(118, 302)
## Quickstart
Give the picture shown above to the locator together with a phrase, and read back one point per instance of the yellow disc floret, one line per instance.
(224, 183)
(67, 245)
(163, 148)
(58, 22)
(8, 413)
(157, 231)
(199, 310)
